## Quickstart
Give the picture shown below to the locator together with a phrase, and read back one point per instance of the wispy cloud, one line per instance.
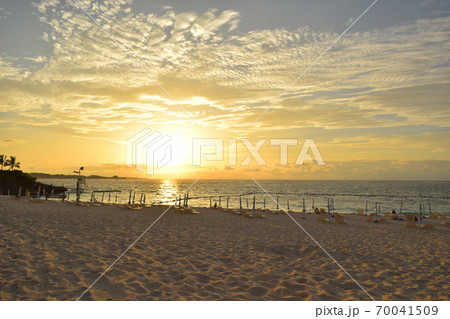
(381, 78)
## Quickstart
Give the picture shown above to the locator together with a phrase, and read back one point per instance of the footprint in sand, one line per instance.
(258, 291)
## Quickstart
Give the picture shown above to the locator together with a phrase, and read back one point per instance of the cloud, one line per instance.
(4, 13)
(9, 141)
(380, 78)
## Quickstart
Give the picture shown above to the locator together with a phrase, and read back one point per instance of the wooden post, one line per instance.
(134, 196)
(240, 202)
(116, 198)
(328, 206)
(264, 204)
(129, 198)
(304, 209)
(109, 197)
(103, 196)
(277, 204)
(253, 203)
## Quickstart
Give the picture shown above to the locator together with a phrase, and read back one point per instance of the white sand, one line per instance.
(54, 251)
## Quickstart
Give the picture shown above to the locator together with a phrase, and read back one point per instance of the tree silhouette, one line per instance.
(3, 160)
(12, 163)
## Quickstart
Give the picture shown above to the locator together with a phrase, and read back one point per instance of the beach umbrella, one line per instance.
(377, 208)
(288, 205)
(420, 213)
(253, 203)
(304, 209)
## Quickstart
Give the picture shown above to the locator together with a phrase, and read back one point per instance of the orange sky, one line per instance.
(376, 104)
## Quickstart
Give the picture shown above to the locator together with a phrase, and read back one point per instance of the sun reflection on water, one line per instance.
(167, 191)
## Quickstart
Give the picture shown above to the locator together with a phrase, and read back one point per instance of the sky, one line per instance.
(375, 100)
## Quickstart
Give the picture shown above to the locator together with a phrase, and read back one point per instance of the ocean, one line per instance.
(346, 196)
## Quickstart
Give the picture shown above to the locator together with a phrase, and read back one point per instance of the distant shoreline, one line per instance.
(63, 176)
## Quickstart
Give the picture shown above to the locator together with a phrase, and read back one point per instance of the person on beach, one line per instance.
(394, 212)
(215, 205)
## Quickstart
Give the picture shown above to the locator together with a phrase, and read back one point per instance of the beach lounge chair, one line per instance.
(322, 211)
(323, 219)
(372, 214)
(369, 219)
(411, 225)
(259, 215)
(382, 220)
(394, 217)
(246, 214)
(410, 217)
(435, 215)
(360, 212)
(443, 216)
(339, 218)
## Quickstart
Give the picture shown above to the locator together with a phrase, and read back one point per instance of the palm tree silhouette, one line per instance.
(13, 163)
(2, 160)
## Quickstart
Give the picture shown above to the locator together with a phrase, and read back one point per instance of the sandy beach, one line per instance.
(54, 251)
